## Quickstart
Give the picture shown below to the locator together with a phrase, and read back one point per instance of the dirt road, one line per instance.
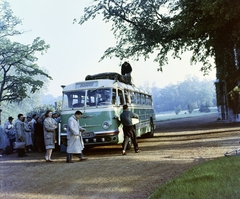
(176, 146)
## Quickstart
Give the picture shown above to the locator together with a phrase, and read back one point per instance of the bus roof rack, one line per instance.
(110, 75)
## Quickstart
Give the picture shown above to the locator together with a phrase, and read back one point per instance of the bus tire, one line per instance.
(150, 134)
(87, 147)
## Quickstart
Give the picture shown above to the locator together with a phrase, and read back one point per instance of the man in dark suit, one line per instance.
(128, 129)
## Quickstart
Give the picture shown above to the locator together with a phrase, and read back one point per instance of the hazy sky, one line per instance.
(75, 49)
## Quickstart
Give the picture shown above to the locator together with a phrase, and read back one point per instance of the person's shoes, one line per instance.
(138, 151)
(69, 161)
(124, 152)
(50, 161)
(82, 158)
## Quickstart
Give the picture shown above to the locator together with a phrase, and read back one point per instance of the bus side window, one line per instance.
(150, 100)
(138, 98)
(132, 95)
(143, 99)
(114, 96)
(120, 94)
(147, 100)
(127, 97)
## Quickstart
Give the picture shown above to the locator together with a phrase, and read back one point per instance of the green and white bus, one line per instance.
(100, 99)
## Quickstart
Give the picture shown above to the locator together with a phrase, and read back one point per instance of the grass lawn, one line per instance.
(216, 179)
(171, 115)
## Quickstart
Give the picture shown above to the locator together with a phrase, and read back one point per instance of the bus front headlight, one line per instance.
(105, 125)
(65, 127)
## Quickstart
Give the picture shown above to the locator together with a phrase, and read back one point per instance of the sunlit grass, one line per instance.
(170, 115)
(217, 178)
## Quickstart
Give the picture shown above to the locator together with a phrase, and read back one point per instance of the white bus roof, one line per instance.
(101, 83)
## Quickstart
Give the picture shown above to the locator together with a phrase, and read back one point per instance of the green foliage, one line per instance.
(213, 179)
(189, 94)
(8, 22)
(27, 106)
(19, 73)
(234, 100)
(178, 109)
(204, 108)
(207, 28)
(144, 27)
(139, 27)
(190, 107)
(41, 110)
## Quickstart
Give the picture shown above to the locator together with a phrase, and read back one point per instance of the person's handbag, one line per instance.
(19, 145)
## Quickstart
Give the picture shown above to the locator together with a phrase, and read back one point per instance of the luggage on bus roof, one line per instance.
(109, 75)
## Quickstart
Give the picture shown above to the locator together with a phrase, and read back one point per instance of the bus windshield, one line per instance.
(91, 97)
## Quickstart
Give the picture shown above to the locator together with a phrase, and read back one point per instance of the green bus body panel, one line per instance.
(93, 119)
(95, 116)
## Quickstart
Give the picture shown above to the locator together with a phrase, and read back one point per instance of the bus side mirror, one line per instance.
(118, 101)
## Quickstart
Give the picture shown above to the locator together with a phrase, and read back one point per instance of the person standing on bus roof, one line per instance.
(74, 137)
(128, 129)
(126, 69)
(126, 72)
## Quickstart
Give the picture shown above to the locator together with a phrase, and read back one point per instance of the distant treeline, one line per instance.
(187, 95)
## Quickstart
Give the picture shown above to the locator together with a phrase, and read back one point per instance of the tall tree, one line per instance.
(8, 21)
(19, 73)
(27, 105)
(208, 28)
(18, 69)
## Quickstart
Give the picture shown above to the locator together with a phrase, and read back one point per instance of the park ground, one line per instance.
(177, 146)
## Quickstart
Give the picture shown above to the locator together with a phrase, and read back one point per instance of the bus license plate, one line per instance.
(87, 134)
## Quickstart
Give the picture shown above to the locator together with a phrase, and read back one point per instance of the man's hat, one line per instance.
(10, 118)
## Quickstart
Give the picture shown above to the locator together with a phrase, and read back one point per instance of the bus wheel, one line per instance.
(88, 147)
(150, 134)
(129, 145)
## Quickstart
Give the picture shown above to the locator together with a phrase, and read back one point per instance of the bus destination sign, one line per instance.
(86, 84)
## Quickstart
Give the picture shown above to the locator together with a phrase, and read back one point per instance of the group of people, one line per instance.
(43, 131)
(75, 143)
(40, 134)
(29, 130)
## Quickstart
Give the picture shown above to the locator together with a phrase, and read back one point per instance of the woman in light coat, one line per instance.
(20, 134)
(49, 127)
(28, 134)
(75, 143)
